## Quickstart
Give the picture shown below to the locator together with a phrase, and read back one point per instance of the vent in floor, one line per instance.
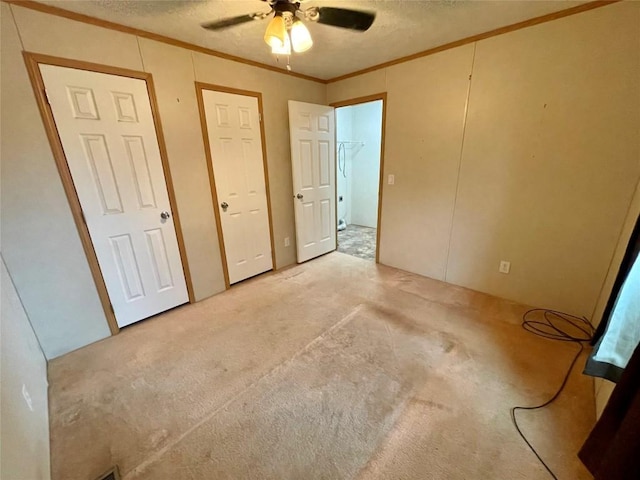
(111, 474)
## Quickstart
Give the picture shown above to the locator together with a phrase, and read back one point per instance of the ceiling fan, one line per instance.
(286, 31)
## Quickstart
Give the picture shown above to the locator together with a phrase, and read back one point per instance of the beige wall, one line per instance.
(40, 243)
(542, 172)
(425, 118)
(24, 437)
(40, 240)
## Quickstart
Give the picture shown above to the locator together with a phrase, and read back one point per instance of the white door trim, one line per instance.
(200, 86)
(32, 61)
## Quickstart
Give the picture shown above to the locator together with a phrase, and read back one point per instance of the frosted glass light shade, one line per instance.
(285, 49)
(276, 32)
(300, 37)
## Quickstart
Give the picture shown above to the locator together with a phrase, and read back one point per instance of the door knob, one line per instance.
(165, 215)
(224, 206)
(299, 196)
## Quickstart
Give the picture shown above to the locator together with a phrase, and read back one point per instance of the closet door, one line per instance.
(235, 144)
(107, 131)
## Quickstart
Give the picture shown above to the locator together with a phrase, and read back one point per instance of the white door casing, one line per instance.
(235, 142)
(312, 133)
(106, 127)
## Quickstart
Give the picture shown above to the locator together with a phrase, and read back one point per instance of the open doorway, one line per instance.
(358, 164)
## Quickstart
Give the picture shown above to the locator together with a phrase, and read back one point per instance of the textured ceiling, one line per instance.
(402, 27)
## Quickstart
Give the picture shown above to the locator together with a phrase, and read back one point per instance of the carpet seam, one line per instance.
(159, 453)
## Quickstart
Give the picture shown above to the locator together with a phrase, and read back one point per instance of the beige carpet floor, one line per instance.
(334, 369)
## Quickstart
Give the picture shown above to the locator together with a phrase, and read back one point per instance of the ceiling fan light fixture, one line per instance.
(300, 37)
(276, 32)
(285, 49)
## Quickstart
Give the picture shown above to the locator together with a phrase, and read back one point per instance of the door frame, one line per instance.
(32, 62)
(200, 87)
(357, 101)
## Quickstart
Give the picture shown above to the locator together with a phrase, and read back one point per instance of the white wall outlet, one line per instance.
(287, 242)
(505, 266)
(391, 179)
(27, 397)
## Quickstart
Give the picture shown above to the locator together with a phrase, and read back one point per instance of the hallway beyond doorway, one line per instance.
(359, 131)
(358, 241)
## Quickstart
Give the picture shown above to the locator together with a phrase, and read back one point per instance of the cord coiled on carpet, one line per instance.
(559, 326)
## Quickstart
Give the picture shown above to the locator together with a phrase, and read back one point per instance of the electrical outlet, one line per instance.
(287, 242)
(505, 266)
(27, 397)
(391, 179)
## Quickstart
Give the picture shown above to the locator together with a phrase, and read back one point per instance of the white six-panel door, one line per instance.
(235, 140)
(312, 133)
(108, 135)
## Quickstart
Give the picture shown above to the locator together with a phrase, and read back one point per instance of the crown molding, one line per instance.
(481, 36)
(79, 17)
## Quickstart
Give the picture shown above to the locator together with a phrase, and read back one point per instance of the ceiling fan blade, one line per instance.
(233, 21)
(345, 18)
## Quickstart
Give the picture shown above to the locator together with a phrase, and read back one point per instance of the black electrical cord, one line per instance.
(576, 329)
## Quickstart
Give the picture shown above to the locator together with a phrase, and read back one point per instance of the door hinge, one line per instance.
(260, 117)
(84, 220)
(46, 95)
